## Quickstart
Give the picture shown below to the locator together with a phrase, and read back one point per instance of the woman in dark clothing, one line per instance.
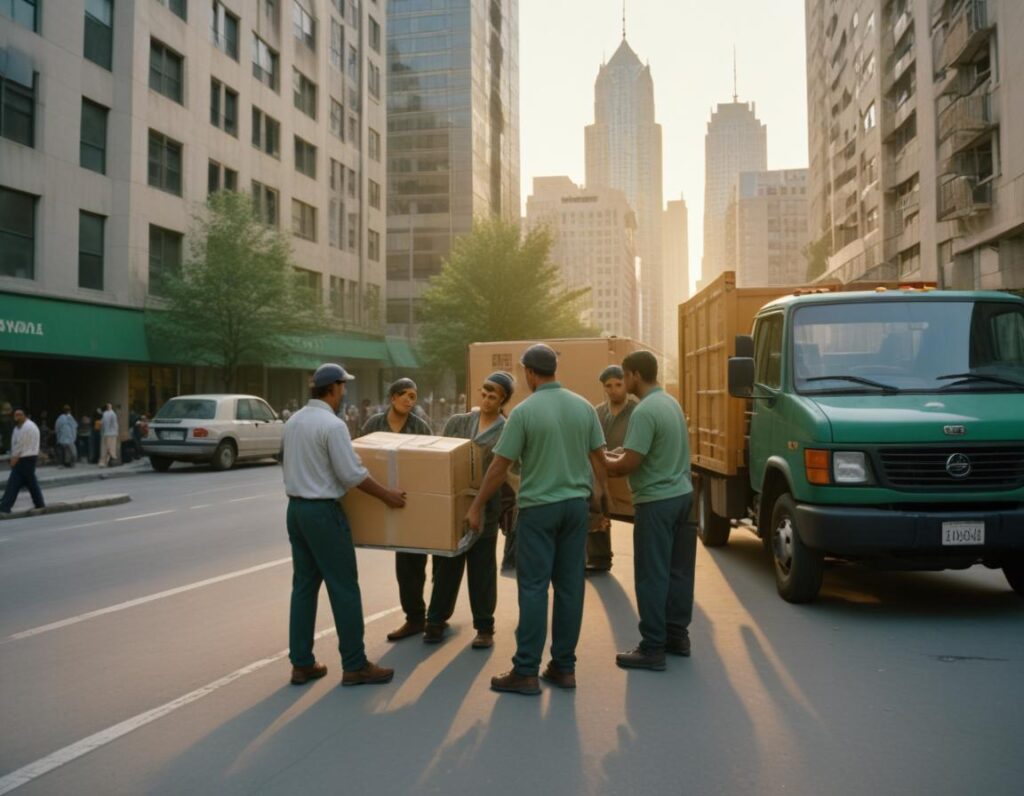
(484, 426)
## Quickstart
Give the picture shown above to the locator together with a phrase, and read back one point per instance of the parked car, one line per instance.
(219, 429)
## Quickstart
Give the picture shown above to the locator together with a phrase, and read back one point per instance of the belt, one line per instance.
(314, 500)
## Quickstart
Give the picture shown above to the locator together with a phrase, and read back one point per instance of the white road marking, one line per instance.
(44, 765)
(143, 516)
(74, 620)
(201, 506)
(80, 525)
(251, 497)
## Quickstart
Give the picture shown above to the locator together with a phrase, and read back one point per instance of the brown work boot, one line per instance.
(484, 640)
(433, 634)
(370, 674)
(678, 646)
(638, 658)
(406, 630)
(556, 676)
(303, 674)
(515, 683)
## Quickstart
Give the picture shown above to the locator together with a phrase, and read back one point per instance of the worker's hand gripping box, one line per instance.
(439, 476)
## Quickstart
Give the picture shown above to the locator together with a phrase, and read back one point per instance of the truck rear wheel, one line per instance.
(798, 569)
(712, 529)
(1014, 571)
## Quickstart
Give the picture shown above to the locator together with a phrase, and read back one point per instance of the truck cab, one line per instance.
(885, 427)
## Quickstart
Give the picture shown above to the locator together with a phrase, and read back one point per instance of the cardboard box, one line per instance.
(620, 499)
(438, 476)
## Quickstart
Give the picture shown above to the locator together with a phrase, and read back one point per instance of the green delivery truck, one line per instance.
(884, 426)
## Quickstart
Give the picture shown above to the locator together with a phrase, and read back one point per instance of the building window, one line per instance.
(373, 144)
(92, 149)
(353, 231)
(164, 257)
(164, 163)
(303, 26)
(90, 250)
(265, 204)
(266, 133)
(869, 118)
(337, 44)
(24, 12)
(17, 234)
(303, 220)
(353, 63)
(99, 32)
(179, 7)
(224, 29)
(374, 35)
(373, 79)
(304, 93)
(337, 119)
(337, 297)
(18, 110)
(305, 158)
(373, 245)
(220, 178)
(264, 62)
(353, 131)
(373, 190)
(223, 107)
(352, 183)
(165, 70)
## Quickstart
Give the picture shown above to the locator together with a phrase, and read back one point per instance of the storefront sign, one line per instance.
(8, 326)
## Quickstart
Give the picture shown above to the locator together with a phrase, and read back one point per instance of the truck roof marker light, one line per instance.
(817, 464)
(880, 289)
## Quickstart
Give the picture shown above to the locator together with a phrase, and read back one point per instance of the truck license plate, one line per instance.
(957, 533)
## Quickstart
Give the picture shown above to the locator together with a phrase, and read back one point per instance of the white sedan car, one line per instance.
(219, 429)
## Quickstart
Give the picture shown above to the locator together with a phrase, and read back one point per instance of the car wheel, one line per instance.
(225, 455)
(1014, 572)
(712, 529)
(161, 463)
(798, 569)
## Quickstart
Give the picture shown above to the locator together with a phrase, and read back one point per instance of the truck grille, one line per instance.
(988, 467)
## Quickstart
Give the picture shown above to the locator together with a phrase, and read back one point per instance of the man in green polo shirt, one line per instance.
(556, 437)
(657, 461)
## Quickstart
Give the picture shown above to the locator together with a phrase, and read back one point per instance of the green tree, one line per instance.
(237, 298)
(817, 253)
(496, 285)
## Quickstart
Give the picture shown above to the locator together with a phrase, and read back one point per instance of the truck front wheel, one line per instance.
(712, 529)
(1014, 571)
(798, 569)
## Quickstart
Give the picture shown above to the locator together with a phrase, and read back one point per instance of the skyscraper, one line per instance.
(735, 141)
(453, 134)
(676, 265)
(623, 151)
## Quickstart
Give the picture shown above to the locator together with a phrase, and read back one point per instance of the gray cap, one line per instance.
(612, 372)
(541, 359)
(329, 373)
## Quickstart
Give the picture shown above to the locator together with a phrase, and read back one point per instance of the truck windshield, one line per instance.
(909, 346)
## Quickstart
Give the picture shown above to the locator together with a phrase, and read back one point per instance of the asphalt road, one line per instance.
(141, 651)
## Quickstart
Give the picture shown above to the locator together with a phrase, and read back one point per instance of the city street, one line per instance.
(142, 650)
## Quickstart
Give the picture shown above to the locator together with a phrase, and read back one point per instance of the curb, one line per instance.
(69, 505)
(84, 478)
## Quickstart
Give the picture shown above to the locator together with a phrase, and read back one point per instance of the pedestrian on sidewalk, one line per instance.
(657, 461)
(109, 432)
(67, 432)
(24, 454)
(482, 425)
(84, 432)
(96, 436)
(319, 467)
(553, 433)
(410, 568)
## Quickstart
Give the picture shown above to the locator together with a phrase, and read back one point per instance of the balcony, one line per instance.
(966, 33)
(903, 62)
(903, 22)
(962, 197)
(965, 120)
(897, 113)
(903, 165)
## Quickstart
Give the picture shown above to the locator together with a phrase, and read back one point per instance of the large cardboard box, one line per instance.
(439, 476)
(620, 499)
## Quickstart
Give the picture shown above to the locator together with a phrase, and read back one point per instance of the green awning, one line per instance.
(402, 353)
(310, 352)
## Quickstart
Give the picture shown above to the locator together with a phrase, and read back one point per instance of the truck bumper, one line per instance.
(861, 531)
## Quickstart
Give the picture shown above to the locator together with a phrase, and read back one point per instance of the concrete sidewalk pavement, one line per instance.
(62, 506)
(81, 473)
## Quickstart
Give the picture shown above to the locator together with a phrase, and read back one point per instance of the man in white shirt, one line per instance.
(24, 453)
(66, 429)
(109, 429)
(320, 466)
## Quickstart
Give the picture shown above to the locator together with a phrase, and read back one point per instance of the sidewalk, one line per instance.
(55, 475)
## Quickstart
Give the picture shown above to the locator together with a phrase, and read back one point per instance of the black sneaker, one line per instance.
(638, 658)
(678, 646)
(433, 634)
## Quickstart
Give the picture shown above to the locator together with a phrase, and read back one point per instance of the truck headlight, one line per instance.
(850, 467)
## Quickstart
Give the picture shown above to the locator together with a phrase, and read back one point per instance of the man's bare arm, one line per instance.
(493, 479)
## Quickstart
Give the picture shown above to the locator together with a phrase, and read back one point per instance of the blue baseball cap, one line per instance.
(329, 373)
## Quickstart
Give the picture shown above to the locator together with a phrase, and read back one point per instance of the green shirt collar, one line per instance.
(551, 385)
(651, 392)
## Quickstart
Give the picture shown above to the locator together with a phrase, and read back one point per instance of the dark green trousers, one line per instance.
(411, 573)
(551, 543)
(482, 568)
(322, 552)
(664, 556)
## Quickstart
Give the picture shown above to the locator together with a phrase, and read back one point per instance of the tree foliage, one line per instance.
(496, 285)
(817, 253)
(237, 297)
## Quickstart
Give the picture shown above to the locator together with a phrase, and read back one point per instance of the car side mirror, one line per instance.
(741, 377)
(744, 346)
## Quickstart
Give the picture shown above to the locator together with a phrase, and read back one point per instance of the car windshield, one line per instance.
(909, 346)
(187, 409)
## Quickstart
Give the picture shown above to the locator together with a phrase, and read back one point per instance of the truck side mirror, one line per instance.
(741, 377)
(744, 346)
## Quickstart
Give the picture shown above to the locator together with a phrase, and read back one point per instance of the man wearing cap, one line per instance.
(657, 461)
(614, 417)
(556, 437)
(410, 568)
(319, 467)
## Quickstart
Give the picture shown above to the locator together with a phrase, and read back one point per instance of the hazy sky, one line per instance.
(688, 44)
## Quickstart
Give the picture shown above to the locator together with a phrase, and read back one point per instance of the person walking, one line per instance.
(410, 568)
(109, 431)
(614, 415)
(67, 432)
(484, 426)
(84, 432)
(657, 461)
(96, 436)
(319, 467)
(552, 434)
(24, 454)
